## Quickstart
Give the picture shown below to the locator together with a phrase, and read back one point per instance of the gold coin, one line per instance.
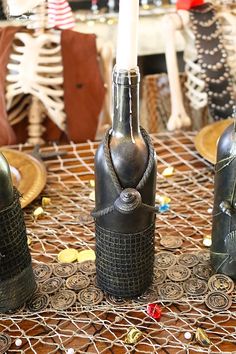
(86, 255)
(67, 255)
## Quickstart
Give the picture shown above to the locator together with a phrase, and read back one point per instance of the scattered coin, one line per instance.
(170, 291)
(67, 255)
(63, 299)
(42, 272)
(64, 270)
(148, 297)
(165, 259)
(221, 282)
(188, 260)
(90, 296)
(218, 301)
(5, 342)
(51, 285)
(195, 286)
(159, 276)
(203, 256)
(178, 272)
(117, 301)
(77, 282)
(171, 242)
(86, 255)
(202, 271)
(87, 267)
(38, 302)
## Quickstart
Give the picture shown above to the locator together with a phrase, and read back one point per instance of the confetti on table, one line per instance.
(133, 335)
(46, 201)
(202, 338)
(207, 241)
(168, 171)
(154, 311)
(92, 196)
(163, 208)
(163, 199)
(38, 212)
(92, 183)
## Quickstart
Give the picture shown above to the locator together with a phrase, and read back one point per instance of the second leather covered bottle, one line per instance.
(125, 174)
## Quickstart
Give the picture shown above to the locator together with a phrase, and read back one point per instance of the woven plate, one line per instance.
(206, 140)
(28, 174)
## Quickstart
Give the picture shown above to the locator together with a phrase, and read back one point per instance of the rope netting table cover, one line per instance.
(67, 223)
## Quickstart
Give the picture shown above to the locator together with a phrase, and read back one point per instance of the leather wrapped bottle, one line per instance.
(17, 282)
(223, 249)
(125, 173)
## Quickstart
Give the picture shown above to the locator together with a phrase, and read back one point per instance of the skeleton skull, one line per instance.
(19, 7)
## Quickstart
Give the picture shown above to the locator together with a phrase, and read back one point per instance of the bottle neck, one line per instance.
(126, 103)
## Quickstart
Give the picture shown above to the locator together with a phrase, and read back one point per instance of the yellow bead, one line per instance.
(92, 183)
(46, 201)
(133, 335)
(163, 199)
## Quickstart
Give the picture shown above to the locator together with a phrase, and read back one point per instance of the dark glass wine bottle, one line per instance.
(223, 249)
(125, 173)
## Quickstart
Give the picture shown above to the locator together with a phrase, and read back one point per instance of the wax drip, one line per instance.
(117, 97)
(130, 110)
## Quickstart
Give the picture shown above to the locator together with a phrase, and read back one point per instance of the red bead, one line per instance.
(188, 4)
(154, 311)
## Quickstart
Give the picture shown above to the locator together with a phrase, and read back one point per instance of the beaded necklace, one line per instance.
(212, 58)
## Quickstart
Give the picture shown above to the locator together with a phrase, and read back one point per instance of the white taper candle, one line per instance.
(127, 39)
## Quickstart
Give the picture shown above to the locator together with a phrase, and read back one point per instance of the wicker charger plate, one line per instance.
(28, 174)
(207, 139)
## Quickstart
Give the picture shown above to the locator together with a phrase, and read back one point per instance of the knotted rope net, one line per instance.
(67, 223)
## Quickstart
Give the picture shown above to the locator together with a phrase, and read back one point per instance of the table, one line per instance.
(67, 223)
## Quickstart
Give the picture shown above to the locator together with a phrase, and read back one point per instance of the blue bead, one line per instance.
(164, 207)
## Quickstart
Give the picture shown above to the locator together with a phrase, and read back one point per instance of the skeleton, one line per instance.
(35, 75)
(194, 84)
(35, 72)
